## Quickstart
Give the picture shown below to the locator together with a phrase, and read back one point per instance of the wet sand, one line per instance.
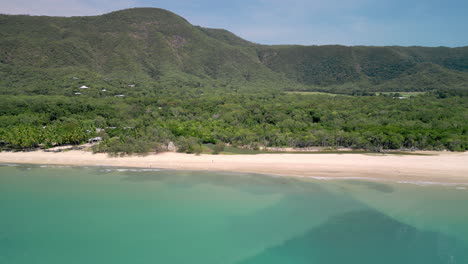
(446, 167)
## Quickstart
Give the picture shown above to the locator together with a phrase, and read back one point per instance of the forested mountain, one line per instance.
(150, 46)
(142, 79)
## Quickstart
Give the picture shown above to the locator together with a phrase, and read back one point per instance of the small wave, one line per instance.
(54, 166)
(458, 185)
(131, 170)
(344, 178)
(427, 183)
(9, 164)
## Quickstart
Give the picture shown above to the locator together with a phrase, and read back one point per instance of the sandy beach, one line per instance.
(439, 167)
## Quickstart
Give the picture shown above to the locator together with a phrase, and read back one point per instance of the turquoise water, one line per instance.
(102, 215)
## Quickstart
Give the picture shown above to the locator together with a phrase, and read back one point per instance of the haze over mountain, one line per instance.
(146, 46)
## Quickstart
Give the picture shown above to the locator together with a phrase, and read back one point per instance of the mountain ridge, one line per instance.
(149, 45)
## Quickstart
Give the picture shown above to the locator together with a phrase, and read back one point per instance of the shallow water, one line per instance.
(104, 215)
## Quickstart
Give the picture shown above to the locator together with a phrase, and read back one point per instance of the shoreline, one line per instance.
(439, 167)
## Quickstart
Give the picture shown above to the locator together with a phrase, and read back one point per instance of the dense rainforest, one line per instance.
(267, 118)
(141, 78)
(148, 45)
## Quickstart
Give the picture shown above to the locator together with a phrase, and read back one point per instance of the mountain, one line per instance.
(153, 47)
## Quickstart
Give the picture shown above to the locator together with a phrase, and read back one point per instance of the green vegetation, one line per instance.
(400, 94)
(153, 80)
(189, 117)
(144, 46)
(312, 93)
(221, 148)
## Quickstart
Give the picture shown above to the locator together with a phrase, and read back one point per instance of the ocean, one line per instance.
(54, 214)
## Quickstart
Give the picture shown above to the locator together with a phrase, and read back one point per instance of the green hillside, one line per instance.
(153, 47)
(135, 45)
(142, 78)
(374, 68)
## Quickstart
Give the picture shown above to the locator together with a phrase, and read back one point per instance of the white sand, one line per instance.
(441, 167)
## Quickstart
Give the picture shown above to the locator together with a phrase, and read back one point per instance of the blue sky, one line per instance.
(312, 22)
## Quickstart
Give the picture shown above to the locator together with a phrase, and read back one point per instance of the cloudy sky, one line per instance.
(307, 22)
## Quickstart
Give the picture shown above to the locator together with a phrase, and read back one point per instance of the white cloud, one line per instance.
(349, 31)
(310, 7)
(62, 7)
(308, 22)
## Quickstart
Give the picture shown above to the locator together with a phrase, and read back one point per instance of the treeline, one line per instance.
(191, 117)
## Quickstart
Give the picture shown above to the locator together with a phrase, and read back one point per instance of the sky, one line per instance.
(304, 22)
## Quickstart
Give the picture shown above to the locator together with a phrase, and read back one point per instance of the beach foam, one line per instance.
(127, 169)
